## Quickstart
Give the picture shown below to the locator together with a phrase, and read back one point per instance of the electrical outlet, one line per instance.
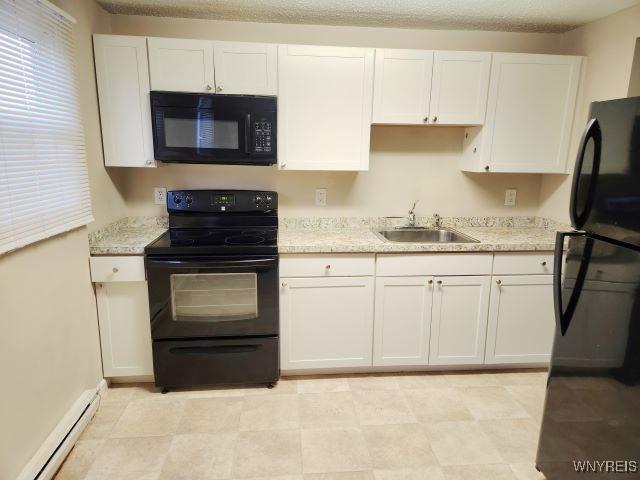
(321, 197)
(159, 195)
(510, 197)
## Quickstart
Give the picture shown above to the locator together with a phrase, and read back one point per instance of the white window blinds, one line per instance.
(44, 189)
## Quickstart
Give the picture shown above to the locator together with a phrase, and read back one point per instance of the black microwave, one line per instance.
(214, 128)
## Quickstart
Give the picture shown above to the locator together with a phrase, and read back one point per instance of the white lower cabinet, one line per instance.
(521, 319)
(125, 334)
(402, 320)
(326, 322)
(459, 320)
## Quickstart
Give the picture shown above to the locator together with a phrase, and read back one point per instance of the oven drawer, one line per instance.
(341, 265)
(117, 269)
(244, 361)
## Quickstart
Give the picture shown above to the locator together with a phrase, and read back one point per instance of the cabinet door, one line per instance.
(125, 333)
(402, 86)
(122, 75)
(521, 319)
(181, 65)
(246, 68)
(459, 88)
(402, 320)
(459, 323)
(326, 322)
(529, 112)
(324, 107)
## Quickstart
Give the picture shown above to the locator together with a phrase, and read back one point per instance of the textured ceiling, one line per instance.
(505, 15)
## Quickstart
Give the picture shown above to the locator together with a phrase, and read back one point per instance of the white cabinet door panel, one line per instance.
(402, 86)
(326, 322)
(521, 319)
(402, 320)
(459, 322)
(246, 68)
(459, 87)
(324, 107)
(181, 65)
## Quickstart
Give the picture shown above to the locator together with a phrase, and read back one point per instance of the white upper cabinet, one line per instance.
(246, 68)
(529, 115)
(324, 107)
(402, 86)
(122, 76)
(459, 88)
(181, 65)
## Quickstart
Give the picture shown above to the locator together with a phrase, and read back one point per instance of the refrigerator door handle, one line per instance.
(592, 132)
(563, 317)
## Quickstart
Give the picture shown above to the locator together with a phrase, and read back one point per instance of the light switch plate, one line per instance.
(510, 197)
(159, 195)
(321, 197)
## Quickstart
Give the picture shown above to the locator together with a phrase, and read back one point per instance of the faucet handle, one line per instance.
(412, 209)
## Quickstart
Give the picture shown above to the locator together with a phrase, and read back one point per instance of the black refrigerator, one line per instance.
(591, 420)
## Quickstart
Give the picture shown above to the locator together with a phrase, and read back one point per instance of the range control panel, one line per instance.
(262, 137)
(203, 201)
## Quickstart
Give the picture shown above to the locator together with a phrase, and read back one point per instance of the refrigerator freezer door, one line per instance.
(593, 391)
(605, 198)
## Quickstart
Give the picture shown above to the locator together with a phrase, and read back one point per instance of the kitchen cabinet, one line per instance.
(122, 76)
(402, 86)
(324, 107)
(402, 320)
(521, 321)
(459, 87)
(326, 322)
(530, 111)
(246, 68)
(125, 334)
(459, 320)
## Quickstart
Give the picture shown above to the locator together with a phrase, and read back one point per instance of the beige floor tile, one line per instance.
(200, 456)
(340, 476)
(515, 439)
(526, 377)
(461, 443)
(479, 472)
(274, 412)
(379, 407)
(125, 392)
(418, 380)
(430, 473)
(399, 446)
(267, 453)
(204, 392)
(491, 402)
(471, 379)
(129, 458)
(526, 471)
(531, 397)
(79, 460)
(205, 415)
(437, 405)
(151, 417)
(334, 450)
(327, 410)
(285, 386)
(322, 384)
(373, 382)
(104, 420)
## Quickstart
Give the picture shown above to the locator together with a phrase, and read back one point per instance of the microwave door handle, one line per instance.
(247, 133)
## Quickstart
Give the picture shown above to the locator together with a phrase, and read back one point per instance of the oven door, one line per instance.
(213, 296)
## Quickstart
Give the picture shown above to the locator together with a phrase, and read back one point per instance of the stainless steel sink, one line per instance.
(424, 235)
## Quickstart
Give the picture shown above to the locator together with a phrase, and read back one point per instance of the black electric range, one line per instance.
(213, 289)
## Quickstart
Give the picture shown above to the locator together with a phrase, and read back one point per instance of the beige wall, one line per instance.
(49, 347)
(609, 47)
(406, 163)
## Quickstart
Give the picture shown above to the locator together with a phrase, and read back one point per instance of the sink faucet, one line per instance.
(437, 220)
(411, 219)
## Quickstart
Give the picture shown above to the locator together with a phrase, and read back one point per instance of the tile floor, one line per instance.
(423, 426)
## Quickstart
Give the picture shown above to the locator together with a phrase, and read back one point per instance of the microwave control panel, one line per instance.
(262, 137)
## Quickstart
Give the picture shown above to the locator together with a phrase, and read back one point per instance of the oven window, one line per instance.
(201, 132)
(214, 297)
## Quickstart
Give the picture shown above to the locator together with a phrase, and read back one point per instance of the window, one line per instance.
(44, 188)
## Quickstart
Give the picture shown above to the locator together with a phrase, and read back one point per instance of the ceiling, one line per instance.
(503, 15)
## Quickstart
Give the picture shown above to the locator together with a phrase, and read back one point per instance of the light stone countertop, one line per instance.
(129, 236)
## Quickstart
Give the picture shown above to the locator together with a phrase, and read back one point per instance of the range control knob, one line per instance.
(177, 199)
(189, 200)
(258, 199)
(269, 199)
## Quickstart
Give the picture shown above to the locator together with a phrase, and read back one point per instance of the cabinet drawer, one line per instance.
(327, 265)
(524, 263)
(434, 264)
(117, 269)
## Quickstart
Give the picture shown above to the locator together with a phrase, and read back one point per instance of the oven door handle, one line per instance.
(204, 263)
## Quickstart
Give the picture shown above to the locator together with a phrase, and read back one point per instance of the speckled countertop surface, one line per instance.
(129, 236)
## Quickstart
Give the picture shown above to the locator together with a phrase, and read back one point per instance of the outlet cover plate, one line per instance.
(159, 195)
(321, 197)
(510, 197)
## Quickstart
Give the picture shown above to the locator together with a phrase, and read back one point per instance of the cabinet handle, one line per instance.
(435, 119)
(486, 168)
(430, 282)
(544, 264)
(208, 87)
(218, 89)
(284, 284)
(439, 282)
(283, 166)
(115, 270)
(149, 161)
(499, 282)
(425, 119)
(327, 267)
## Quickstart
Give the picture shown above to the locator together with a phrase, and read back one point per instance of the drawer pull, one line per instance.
(439, 282)
(327, 267)
(115, 270)
(499, 282)
(430, 282)
(544, 264)
(284, 284)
